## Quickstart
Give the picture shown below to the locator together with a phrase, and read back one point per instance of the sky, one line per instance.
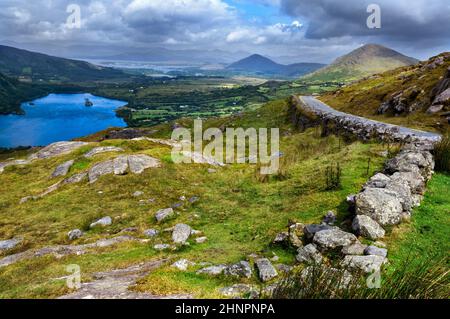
(286, 30)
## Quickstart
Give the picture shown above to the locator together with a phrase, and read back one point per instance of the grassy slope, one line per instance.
(238, 214)
(364, 97)
(426, 237)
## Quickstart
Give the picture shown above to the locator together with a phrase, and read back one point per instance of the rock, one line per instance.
(435, 108)
(368, 264)
(56, 149)
(411, 160)
(309, 254)
(100, 169)
(182, 264)
(329, 218)
(281, 238)
(138, 193)
(162, 247)
(413, 179)
(193, 199)
(102, 149)
(295, 233)
(379, 180)
(74, 234)
(151, 232)
(63, 169)
(333, 238)
(443, 98)
(284, 268)
(139, 163)
(212, 270)
(129, 230)
(201, 240)
(354, 249)
(238, 290)
(212, 170)
(380, 204)
(365, 226)
(105, 221)
(265, 269)
(77, 178)
(311, 229)
(374, 250)
(403, 193)
(9, 244)
(240, 269)
(120, 165)
(195, 232)
(163, 214)
(181, 233)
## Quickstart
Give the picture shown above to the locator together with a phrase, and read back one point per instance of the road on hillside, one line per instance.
(320, 107)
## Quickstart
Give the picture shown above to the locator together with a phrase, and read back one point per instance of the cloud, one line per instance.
(401, 19)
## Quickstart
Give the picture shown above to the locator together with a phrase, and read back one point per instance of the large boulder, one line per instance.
(378, 180)
(266, 271)
(403, 192)
(181, 233)
(333, 238)
(62, 169)
(365, 226)
(240, 269)
(381, 205)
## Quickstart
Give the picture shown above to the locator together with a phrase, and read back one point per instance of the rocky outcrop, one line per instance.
(117, 284)
(52, 150)
(64, 250)
(9, 244)
(102, 149)
(119, 166)
(62, 169)
(104, 221)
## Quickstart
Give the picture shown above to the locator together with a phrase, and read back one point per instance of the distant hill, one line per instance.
(364, 61)
(259, 64)
(417, 96)
(35, 66)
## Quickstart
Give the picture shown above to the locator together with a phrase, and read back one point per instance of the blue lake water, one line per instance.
(58, 117)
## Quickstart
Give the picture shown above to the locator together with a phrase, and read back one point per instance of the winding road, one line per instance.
(323, 109)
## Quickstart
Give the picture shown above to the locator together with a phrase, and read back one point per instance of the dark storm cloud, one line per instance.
(402, 20)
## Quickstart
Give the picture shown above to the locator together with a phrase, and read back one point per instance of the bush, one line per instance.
(442, 154)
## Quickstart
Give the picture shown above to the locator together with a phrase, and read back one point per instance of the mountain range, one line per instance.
(37, 66)
(258, 64)
(364, 61)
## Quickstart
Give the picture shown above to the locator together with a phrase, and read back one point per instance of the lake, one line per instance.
(58, 117)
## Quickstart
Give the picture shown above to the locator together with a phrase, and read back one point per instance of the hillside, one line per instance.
(236, 213)
(415, 96)
(36, 66)
(364, 61)
(258, 64)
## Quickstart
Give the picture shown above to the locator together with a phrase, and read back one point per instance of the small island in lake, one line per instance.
(87, 102)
